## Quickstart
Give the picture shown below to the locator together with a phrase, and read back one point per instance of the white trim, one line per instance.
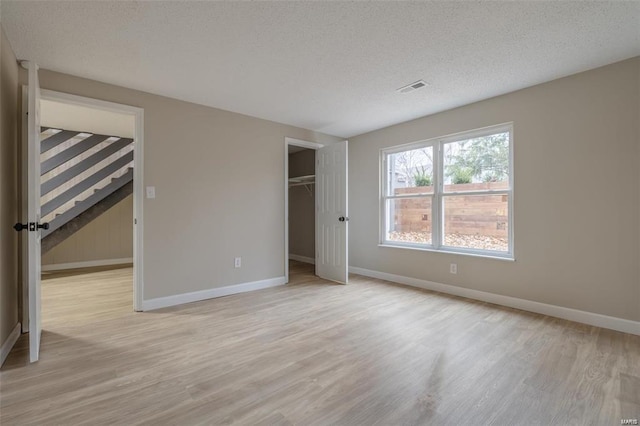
(87, 264)
(138, 215)
(491, 255)
(138, 177)
(304, 259)
(590, 318)
(11, 340)
(196, 296)
(304, 144)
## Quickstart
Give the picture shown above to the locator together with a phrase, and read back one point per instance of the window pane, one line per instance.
(477, 222)
(477, 164)
(409, 220)
(410, 172)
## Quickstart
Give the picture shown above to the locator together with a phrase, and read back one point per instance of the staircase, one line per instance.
(82, 176)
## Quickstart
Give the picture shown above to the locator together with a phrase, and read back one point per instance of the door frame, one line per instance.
(138, 188)
(302, 144)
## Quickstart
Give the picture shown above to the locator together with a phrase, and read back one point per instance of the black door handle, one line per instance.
(31, 226)
(343, 219)
(20, 226)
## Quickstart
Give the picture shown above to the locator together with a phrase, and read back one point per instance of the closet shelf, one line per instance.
(302, 180)
(307, 181)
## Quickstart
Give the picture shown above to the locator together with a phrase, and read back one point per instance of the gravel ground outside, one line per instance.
(482, 242)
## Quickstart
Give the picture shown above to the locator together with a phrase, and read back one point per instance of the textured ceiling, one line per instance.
(332, 67)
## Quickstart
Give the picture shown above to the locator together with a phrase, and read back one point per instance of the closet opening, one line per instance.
(300, 208)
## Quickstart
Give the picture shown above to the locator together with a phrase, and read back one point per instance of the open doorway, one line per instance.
(300, 206)
(327, 183)
(87, 200)
(302, 211)
(106, 237)
(91, 200)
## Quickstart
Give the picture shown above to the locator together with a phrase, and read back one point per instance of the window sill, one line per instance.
(507, 257)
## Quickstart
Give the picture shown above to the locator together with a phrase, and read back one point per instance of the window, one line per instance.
(453, 193)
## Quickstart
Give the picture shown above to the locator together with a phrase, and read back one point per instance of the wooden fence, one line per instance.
(464, 214)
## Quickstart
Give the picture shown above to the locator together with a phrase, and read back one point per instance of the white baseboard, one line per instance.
(590, 318)
(304, 259)
(196, 296)
(7, 345)
(88, 264)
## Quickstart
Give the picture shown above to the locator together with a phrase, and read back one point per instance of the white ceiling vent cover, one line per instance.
(413, 86)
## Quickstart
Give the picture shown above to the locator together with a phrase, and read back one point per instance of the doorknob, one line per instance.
(31, 226)
(20, 226)
(343, 219)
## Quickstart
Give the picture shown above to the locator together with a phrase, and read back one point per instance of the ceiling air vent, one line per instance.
(411, 87)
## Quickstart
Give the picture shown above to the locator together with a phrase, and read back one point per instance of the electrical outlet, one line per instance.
(453, 268)
(237, 262)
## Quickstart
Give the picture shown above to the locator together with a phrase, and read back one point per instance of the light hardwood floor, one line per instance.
(312, 353)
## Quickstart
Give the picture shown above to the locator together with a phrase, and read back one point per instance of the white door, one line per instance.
(32, 233)
(332, 219)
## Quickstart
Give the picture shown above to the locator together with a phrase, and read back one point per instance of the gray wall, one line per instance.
(219, 189)
(302, 235)
(576, 199)
(8, 188)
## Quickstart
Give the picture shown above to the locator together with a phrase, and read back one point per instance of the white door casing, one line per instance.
(31, 236)
(332, 213)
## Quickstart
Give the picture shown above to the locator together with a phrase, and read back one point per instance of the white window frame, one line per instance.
(438, 195)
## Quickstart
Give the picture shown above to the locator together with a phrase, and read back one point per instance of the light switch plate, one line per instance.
(151, 192)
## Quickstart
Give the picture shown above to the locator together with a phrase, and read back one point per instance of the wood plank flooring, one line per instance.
(312, 353)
